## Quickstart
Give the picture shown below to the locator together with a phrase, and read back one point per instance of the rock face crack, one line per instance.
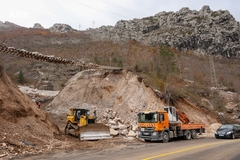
(52, 59)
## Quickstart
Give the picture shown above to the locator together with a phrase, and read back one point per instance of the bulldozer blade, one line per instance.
(94, 132)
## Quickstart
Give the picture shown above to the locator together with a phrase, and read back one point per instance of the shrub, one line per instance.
(21, 78)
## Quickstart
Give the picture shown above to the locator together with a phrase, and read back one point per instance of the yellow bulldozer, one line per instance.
(81, 124)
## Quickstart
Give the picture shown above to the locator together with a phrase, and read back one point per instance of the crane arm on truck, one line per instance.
(182, 117)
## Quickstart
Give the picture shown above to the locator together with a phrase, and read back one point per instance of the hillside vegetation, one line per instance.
(176, 71)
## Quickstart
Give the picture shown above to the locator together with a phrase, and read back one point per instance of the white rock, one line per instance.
(134, 127)
(131, 134)
(124, 132)
(110, 121)
(4, 144)
(122, 126)
(113, 132)
(114, 126)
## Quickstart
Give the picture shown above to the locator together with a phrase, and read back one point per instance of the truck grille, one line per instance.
(147, 132)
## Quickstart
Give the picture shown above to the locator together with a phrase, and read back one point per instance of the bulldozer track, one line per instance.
(52, 59)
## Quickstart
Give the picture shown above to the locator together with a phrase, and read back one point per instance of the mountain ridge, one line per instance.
(204, 31)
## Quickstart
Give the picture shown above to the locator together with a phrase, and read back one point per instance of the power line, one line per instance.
(101, 10)
(121, 8)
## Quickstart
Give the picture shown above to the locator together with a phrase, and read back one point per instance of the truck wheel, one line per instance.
(187, 135)
(194, 134)
(165, 137)
(147, 140)
(200, 131)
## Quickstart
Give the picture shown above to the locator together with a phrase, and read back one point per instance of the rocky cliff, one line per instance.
(61, 28)
(205, 31)
(38, 25)
(8, 25)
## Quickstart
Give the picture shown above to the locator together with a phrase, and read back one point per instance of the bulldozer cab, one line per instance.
(80, 117)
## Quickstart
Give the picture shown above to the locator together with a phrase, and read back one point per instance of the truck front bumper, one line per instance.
(153, 136)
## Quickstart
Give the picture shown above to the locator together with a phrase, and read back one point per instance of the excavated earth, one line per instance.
(117, 97)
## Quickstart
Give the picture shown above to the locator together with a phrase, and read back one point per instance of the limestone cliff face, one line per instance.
(205, 31)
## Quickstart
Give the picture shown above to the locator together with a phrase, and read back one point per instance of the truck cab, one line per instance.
(152, 125)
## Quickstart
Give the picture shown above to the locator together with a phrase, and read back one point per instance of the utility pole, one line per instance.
(93, 23)
(79, 27)
(238, 31)
(213, 72)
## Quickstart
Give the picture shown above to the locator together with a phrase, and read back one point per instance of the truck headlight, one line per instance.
(154, 133)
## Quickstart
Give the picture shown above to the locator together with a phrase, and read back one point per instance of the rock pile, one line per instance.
(117, 98)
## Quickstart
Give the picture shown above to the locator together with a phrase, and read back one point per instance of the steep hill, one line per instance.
(190, 34)
(22, 123)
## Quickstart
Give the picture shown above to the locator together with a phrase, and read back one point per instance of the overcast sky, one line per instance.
(84, 14)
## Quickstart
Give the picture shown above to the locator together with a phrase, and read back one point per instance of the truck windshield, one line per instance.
(147, 117)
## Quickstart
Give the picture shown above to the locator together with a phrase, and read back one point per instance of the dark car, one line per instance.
(228, 131)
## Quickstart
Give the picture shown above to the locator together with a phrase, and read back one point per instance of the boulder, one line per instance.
(113, 132)
(131, 134)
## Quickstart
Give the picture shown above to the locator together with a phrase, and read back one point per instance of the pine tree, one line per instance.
(168, 64)
(21, 78)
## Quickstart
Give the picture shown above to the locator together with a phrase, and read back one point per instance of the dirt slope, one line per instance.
(198, 115)
(23, 125)
(114, 96)
(117, 97)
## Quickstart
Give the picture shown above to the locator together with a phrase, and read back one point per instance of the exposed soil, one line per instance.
(28, 130)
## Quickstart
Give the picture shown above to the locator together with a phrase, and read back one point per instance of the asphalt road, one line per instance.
(196, 149)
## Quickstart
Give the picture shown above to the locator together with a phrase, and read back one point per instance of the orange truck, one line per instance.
(166, 124)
